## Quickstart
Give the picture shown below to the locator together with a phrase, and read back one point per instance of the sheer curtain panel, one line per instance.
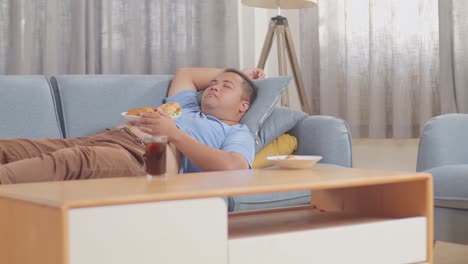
(374, 63)
(454, 56)
(116, 36)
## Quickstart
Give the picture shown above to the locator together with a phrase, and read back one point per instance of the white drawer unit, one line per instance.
(307, 236)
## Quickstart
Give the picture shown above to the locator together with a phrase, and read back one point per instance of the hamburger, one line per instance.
(173, 109)
(137, 111)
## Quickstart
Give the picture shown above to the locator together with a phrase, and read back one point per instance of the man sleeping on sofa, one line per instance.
(206, 137)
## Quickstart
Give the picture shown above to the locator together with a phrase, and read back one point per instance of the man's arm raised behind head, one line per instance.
(192, 78)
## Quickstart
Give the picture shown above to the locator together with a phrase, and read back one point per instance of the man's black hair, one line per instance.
(249, 88)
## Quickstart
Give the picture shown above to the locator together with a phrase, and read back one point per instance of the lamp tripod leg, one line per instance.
(284, 38)
(282, 67)
(296, 71)
(267, 45)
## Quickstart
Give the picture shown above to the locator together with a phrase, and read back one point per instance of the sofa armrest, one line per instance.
(443, 142)
(325, 136)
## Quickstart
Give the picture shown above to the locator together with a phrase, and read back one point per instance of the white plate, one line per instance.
(295, 161)
(130, 117)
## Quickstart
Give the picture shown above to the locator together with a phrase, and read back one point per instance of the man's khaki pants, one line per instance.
(112, 153)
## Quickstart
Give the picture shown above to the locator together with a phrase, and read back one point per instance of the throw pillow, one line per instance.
(280, 121)
(283, 145)
(269, 91)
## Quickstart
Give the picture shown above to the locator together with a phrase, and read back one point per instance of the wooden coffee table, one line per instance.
(361, 216)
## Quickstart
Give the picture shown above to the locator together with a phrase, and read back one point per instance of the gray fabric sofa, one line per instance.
(79, 105)
(443, 152)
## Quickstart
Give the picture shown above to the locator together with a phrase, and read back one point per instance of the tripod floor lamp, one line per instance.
(279, 26)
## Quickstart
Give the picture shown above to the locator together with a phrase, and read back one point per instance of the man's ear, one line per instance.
(245, 105)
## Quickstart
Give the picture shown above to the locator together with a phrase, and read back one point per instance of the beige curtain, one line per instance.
(454, 56)
(375, 63)
(116, 36)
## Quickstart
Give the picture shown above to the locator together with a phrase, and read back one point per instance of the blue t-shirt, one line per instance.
(210, 130)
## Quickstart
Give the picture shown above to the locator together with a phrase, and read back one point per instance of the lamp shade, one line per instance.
(283, 4)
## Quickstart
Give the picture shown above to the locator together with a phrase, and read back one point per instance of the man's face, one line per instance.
(224, 95)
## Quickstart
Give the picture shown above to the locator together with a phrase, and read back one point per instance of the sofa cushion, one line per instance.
(450, 186)
(268, 200)
(27, 108)
(280, 121)
(92, 103)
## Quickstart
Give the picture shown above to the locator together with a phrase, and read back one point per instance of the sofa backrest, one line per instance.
(91, 103)
(27, 108)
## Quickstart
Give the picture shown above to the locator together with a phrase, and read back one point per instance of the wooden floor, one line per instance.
(447, 253)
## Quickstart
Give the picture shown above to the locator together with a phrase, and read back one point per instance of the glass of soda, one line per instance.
(155, 155)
